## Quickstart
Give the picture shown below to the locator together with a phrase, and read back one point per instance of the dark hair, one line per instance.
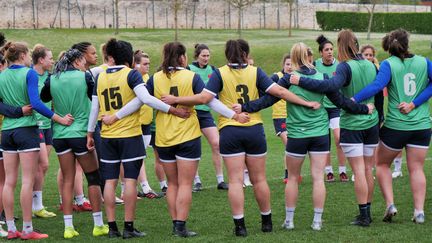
(67, 60)
(39, 51)
(237, 51)
(2, 59)
(397, 43)
(171, 55)
(2, 39)
(322, 41)
(13, 50)
(82, 46)
(120, 51)
(138, 55)
(199, 48)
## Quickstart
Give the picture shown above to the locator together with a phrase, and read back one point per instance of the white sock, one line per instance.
(342, 169)
(397, 164)
(61, 200)
(238, 216)
(11, 225)
(79, 199)
(197, 179)
(122, 186)
(220, 178)
(145, 187)
(37, 201)
(266, 213)
(98, 219)
(289, 214)
(328, 169)
(163, 184)
(417, 212)
(68, 220)
(246, 175)
(318, 214)
(27, 227)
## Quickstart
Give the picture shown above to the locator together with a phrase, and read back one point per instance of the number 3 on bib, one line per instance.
(409, 84)
(243, 90)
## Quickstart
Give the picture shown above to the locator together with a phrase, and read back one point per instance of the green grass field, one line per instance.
(210, 214)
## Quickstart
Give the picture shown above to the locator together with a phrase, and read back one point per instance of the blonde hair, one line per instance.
(347, 44)
(299, 56)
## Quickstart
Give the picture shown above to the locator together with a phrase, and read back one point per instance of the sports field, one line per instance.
(210, 214)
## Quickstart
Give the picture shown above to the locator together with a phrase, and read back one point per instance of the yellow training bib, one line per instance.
(172, 130)
(113, 93)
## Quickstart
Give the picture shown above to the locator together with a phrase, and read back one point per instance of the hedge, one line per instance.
(382, 22)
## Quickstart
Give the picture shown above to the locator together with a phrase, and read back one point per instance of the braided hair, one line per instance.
(67, 61)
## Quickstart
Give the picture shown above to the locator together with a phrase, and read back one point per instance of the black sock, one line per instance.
(113, 226)
(239, 222)
(286, 173)
(180, 225)
(128, 225)
(363, 210)
(266, 219)
(369, 209)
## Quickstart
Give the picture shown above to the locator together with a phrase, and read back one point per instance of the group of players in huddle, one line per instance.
(103, 118)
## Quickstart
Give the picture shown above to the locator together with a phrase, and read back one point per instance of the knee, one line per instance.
(93, 178)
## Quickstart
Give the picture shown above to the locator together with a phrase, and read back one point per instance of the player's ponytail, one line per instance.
(237, 51)
(172, 52)
(398, 43)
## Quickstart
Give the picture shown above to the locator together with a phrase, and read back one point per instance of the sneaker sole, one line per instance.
(389, 217)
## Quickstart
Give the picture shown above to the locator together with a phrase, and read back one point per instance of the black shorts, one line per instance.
(146, 129)
(279, 125)
(78, 146)
(237, 140)
(356, 143)
(46, 136)
(22, 139)
(299, 147)
(190, 150)
(129, 151)
(153, 139)
(1, 153)
(396, 139)
(333, 113)
(205, 119)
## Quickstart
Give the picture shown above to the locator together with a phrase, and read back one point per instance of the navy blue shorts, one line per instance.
(333, 113)
(205, 119)
(237, 140)
(279, 125)
(129, 151)
(46, 136)
(22, 139)
(146, 130)
(299, 147)
(396, 139)
(190, 150)
(368, 136)
(78, 146)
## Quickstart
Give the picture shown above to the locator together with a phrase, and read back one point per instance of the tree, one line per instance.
(371, 10)
(264, 12)
(176, 6)
(116, 6)
(290, 9)
(240, 5)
